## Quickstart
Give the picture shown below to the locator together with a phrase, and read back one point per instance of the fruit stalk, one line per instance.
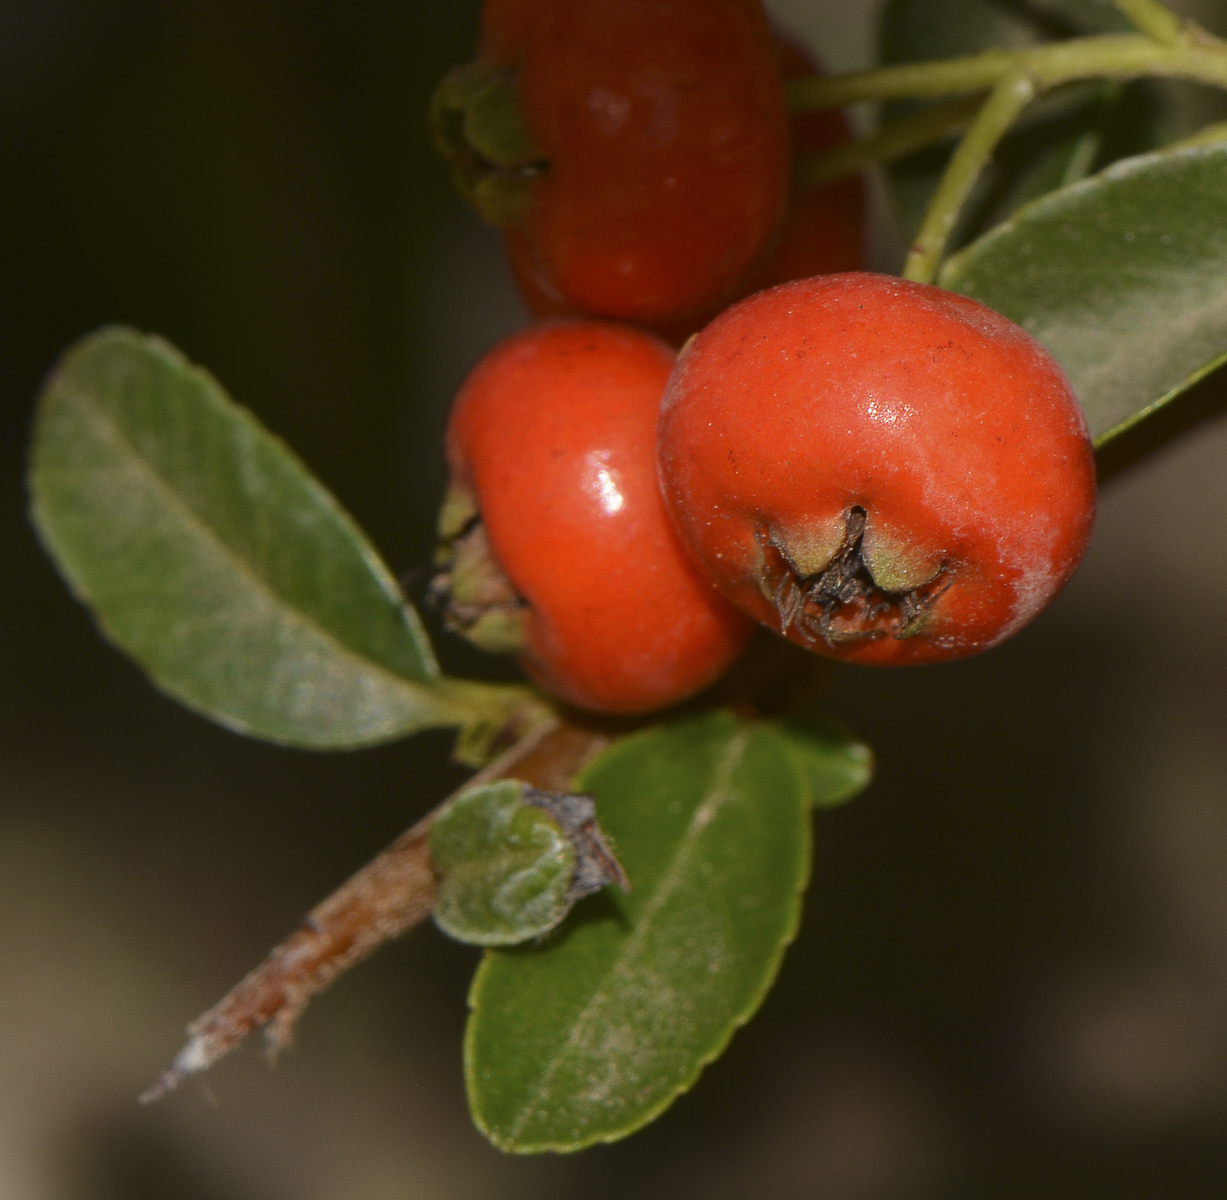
(891, 141)
(1153, 19)
(992, 123)
(1196, 56)
(917, 132)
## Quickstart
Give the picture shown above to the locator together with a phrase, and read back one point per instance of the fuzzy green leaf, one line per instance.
(589, 1037)
(210, 554)
(1122, 277)
(835, 765)
(505, 867)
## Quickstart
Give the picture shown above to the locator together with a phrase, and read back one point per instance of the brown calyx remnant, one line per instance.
(843, 602)
(596, 865)
(389, 896)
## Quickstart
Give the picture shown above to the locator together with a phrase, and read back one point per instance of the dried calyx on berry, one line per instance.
(843, 599)
(555, 541)
(880, 470)
(477, 599)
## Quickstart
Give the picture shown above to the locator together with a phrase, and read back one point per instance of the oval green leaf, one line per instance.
(591, 1036)
(1122, 277)
(213, 557)
(505, 867)
(834, 763)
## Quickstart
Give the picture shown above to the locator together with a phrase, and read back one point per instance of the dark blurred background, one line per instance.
(1012, 975)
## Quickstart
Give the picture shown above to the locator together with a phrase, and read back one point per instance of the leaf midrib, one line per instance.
(705, 812)
(111, 431)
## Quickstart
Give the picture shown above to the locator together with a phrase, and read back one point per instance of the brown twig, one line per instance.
(389, 896)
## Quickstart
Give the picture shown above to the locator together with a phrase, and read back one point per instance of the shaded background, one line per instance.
(1012, 975)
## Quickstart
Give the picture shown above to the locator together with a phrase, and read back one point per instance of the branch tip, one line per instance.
(195, 1056)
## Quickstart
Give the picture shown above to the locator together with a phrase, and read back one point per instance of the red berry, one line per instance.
(662, 139)
(823, 230)
(559, 545)
(882, 471)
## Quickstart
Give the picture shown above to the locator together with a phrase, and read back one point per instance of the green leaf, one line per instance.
(835, 765)
(505, 867)
(1122, 277)
(594, 1034)
(512, 860)
(210, 554)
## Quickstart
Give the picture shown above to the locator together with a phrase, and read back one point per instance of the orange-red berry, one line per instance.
(822, 232)
(882, 471)
(557, 541)
(661, 168)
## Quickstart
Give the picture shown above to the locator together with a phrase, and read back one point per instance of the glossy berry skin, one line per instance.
(823, 230)
(882, 471)
(551, 444)
(663, 132)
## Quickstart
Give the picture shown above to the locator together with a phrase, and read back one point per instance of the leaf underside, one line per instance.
(212, 556)
(1122, 277)
(588, 1037)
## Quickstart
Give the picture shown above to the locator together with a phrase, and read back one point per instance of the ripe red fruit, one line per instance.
(659, 170)
(823, 230)
(557, 542)
(882, 471)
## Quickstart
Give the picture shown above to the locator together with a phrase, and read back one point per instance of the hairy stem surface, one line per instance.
(386, 898)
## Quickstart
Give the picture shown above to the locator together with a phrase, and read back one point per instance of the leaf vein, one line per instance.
(110, 431)
(719, 794)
